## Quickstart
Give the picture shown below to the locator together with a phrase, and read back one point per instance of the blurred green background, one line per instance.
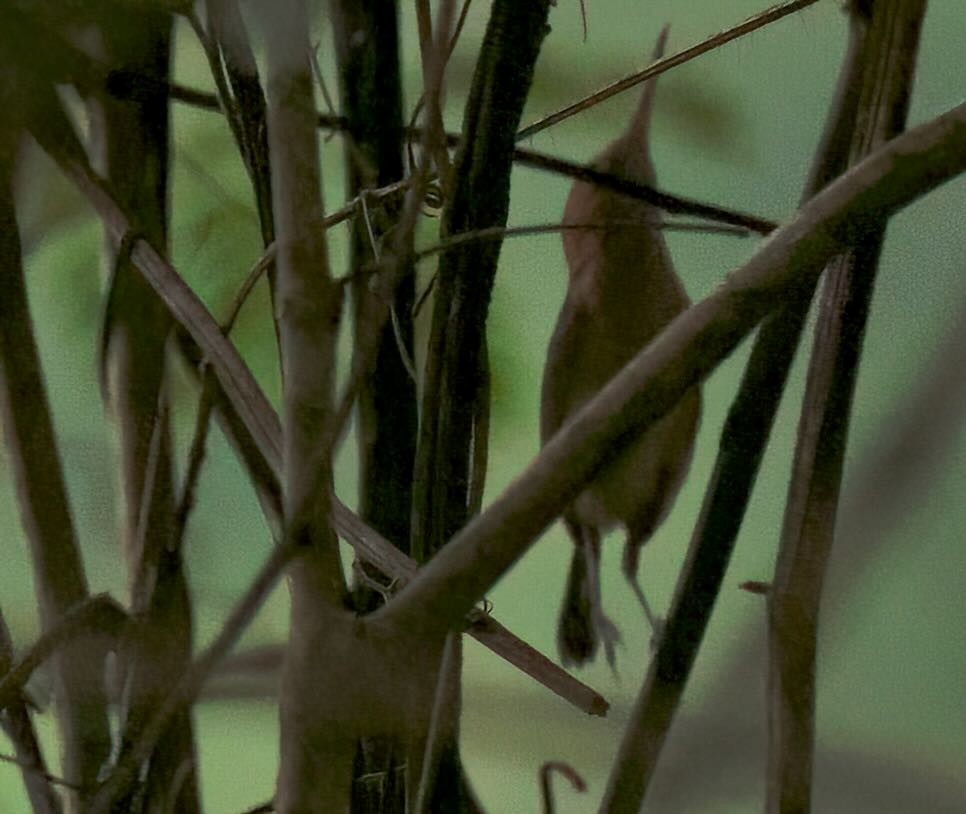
(736, 127)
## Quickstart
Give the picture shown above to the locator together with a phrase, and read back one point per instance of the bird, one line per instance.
(622, 291)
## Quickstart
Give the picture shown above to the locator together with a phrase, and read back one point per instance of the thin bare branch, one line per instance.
(673, 204)
(546, 772)
(500, 232)
(434, 48)
(660, 66)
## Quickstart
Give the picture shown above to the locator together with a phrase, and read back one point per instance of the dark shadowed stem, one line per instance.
(34, 461)
(366, 40)
(809, 525)
(455, 399)
(480, 199)
(743, 441)
(247, 102)
(672, 204)
(395, 268)
(437, 737)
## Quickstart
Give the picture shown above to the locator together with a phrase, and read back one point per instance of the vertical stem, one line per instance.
(228, 30)
(455, 398)
(366, 39)
(809, 525)
(743, 440)
(316, 756)
(480, 199)
(132, 139)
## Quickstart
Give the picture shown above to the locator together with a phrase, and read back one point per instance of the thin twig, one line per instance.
(35, 770)
(199, 440)
(19, 728)
(226, 100)
(434, 52)
(673, 204)
(547, 771)
(660, 66)
(247, 104)
(500, 232)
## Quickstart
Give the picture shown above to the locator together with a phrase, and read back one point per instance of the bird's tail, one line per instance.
(576, 637)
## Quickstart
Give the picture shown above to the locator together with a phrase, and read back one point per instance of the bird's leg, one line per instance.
(656, 622)
(631, 552)
(606, 630)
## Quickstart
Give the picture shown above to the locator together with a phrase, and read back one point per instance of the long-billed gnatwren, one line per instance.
(622, 292)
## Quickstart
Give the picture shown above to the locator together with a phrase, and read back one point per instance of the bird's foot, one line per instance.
(607, 634)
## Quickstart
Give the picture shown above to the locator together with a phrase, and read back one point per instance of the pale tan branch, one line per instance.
(685, 353)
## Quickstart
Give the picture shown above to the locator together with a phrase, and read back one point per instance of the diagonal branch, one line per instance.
(34, 460)
(685, 353)
(743, 439)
